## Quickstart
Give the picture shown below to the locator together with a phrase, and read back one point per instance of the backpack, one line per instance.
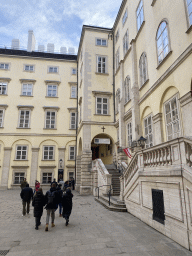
(51, 197)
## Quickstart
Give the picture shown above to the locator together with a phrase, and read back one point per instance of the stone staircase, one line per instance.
(115, 205)
(115, 179)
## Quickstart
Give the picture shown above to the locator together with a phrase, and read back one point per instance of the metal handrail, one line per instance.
(109, 194)
(101, 186)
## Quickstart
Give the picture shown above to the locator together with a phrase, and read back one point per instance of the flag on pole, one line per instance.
(127, 152)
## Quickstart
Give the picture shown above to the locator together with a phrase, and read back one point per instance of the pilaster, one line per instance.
(186, 107)
(86, 165)
(78, 173)
(157, 128)
(34, 166)
(6, 166)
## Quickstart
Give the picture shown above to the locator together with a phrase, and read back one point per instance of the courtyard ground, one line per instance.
(92, 230)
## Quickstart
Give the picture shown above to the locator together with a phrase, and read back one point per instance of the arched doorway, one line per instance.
(102, 147)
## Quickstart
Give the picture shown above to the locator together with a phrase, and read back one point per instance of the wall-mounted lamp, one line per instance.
(139, 143)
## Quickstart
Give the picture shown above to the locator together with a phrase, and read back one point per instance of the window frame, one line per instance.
(97, 60)
(189, 24)
(52, 96)
(51, 111)
(6, 85)
(125, 42)
(71, 117)
(142, 61)
(22, 90)
(102, 39)
(71, 151)
(53, 72)
(96, 109)
(29, 120)
(51, 176)
(2, 118)
(117, 100)
(21, 153)
(124, 19)
(4, 63)
(29, 70)
(168, 38)
(43, 156)
(145, 135)
(14, 176)
(72, 87)
(127, 89)
(138, 15)
(129, 141)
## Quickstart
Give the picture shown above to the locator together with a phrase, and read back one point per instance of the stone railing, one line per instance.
(188, 151)
(102, 177)
(131, 170)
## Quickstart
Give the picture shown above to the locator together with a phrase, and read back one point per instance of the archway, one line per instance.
(102, 147)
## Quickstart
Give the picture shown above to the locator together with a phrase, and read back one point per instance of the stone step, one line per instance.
(110, 207)
(113, 202)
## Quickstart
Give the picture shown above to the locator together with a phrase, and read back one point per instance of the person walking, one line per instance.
(51, 199)
(73, 183)
(38, 203)
(26, 196)
(66, 185)
(23, 183)
(67, 204)
(37, 186)
(60, 195)
(54, 181)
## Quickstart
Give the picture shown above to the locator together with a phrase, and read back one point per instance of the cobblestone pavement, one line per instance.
(92, 230)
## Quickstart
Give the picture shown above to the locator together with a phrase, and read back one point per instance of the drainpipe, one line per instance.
(76, 125)
(113, 76)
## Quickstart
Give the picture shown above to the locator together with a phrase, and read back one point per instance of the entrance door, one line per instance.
(95, 152)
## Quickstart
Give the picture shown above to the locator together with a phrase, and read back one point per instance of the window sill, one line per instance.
(166, 57)
(3, 94)
(101, 115)
(189, 29)
(143, 85)
(104, 74)
(48, 160)
(73, 98)
(23, 128)
(29, 71)
(20, 160)
(126, 103)
(49, 128)
(53, 73)
(51, 97)
(139, 31)
(26, 96)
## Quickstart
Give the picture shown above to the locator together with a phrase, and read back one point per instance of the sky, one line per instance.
(59, 22)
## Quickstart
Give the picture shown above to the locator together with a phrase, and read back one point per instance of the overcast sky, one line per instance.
(59, 22)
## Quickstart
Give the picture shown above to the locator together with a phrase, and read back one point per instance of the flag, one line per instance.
(127, 152)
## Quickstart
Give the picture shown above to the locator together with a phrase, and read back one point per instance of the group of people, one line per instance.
(53, 199)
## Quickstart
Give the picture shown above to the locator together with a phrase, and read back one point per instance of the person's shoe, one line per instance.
(52, 225)
(46, 227)
(36, 228)
(39, 223)
(67, 222)
(60, 215)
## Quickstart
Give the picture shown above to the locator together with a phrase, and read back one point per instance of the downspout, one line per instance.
(113, 76)
(76, 125)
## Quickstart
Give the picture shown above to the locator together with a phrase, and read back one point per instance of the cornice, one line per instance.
(52, 81)
(185, 99)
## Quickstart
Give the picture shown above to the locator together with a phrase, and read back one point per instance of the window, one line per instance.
(117, 101)
(4, 66)
(140, 15)
(74, 71)
(101, 64)
(125, 43)
(29, 67)
(127, 89)
(71, 175)
(148, 132)
(189, 9)
(53, 70)
(47, 177)
(162, 41)
(72, 153)
(129, 133)
(24, 118)
(1, 117)
(172, 119)
(102, 106)
(117, 59)
(117, 36)
(48, 153)
(3, 88)
(81, 71)
(18, 177)
(143, 68)
(101, 42)
(124, 17)
(73, 91)
(51, 90)
(21, 153)
(73, 120)
(50, 122)
(27, 89)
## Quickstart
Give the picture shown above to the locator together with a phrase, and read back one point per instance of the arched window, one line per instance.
(143, 68)
(163, 46)
(127, 89)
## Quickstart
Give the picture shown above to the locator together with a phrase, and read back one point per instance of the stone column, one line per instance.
(86, 165)
(78, 173)
(186, 107)
(6, 167)
(34, 166)
(136, 126)
(157, 129)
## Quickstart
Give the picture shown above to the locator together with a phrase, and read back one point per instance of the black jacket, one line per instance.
(67, 203)
(26, 194)
(60, 194)
(38, 203)
(52, 192)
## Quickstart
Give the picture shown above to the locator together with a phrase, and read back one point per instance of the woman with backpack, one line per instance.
(67, 204)
(38, 203)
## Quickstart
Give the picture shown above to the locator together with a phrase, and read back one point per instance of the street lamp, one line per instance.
(141, 142)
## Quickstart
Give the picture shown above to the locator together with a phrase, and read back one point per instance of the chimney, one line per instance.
(15, 44)
(71, 50)
(63, 50)
(50, 48)
(31, 41)
(41, 48)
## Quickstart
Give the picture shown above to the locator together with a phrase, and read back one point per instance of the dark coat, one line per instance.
(60, 194)
(67, 203)
(38, 203)
(26, 194)
(55, 198)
